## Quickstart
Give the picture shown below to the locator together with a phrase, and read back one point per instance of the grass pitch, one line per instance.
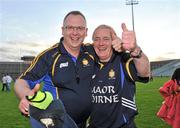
(10, 117)
(148, 100)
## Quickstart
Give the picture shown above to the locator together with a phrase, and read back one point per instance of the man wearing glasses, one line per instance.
(65, 69)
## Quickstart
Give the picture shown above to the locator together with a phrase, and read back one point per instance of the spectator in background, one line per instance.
(4, 83)
(170, 109)
(176, 76)
(8, 82)
(151, 76)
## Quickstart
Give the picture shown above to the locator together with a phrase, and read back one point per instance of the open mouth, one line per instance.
(102, 49)
(75, 38)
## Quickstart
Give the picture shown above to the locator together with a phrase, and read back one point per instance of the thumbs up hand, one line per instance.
(34, 90)
(128, 39)
(116, 43)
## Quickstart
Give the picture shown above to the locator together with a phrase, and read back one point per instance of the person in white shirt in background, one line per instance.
(4, 84)
(8, 82)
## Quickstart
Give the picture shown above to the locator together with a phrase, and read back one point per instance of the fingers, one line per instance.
(124, 28)
(24, 103)
(113, 36)
(34, 90)
(117, 44)
(128, 41)
(24, 107)
(128, 38)
(37, 87)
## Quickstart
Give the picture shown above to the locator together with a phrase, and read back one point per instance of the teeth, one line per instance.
(102, 49)
(74, 38)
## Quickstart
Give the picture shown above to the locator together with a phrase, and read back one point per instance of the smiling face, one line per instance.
(74, 31)
(102, 43)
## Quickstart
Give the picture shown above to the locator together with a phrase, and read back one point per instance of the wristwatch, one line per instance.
(136, 53)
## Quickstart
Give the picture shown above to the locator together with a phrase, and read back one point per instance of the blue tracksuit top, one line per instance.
(113, 92)
(66, 77)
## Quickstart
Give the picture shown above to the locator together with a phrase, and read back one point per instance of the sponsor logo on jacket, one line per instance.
(62, 65)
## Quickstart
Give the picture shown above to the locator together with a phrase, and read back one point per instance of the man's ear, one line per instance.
(86, 31)
(62, 31)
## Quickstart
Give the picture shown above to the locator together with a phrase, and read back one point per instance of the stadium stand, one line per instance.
(15, 68)
(165, 68)
(158, 68)
(158, 64)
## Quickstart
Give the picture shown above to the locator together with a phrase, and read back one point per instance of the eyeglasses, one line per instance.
(72, 28)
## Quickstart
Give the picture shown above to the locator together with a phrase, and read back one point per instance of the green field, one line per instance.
(148, 101)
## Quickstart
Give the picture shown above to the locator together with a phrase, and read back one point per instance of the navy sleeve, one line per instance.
(134, 73)
(39, 67)
(130, 69)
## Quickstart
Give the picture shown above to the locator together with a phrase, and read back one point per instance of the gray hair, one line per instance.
(104, 26)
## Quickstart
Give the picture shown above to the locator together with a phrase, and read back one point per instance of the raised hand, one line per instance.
(128, 38)
(116, 43)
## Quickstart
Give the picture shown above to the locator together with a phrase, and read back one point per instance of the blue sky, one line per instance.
(29, 26)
